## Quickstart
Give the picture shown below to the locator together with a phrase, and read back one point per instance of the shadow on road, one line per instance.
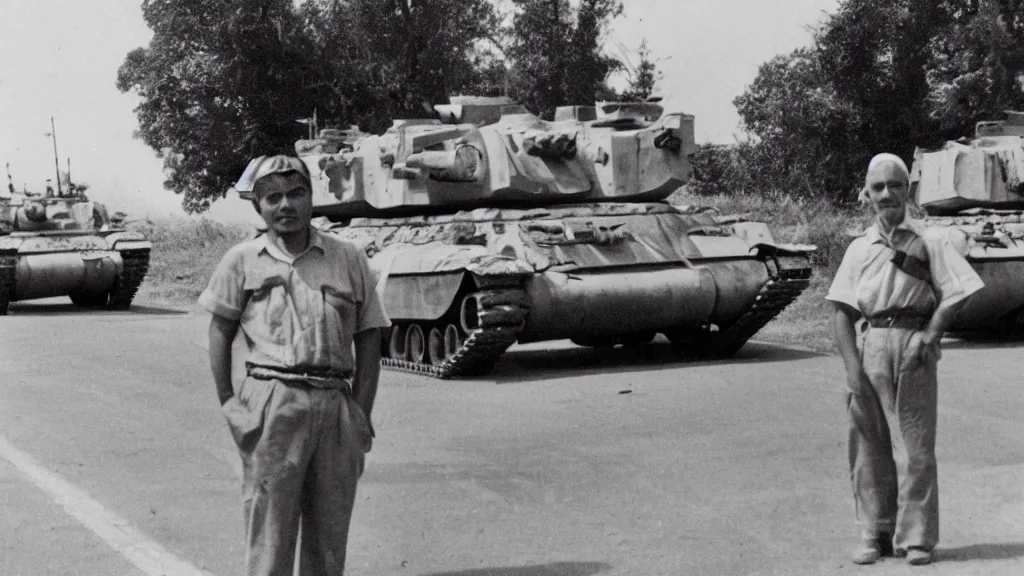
(68, 309)
(565, 362)
(1005, 551)
(554, 569)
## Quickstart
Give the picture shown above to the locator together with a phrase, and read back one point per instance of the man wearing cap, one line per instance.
(908, 285)
(300, 418)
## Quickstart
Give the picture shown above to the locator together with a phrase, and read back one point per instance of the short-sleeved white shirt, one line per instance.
(868, 281)
(297, 313)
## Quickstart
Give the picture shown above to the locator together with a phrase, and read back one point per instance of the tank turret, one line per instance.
(973, 193)
(492, 152)
(984, 172)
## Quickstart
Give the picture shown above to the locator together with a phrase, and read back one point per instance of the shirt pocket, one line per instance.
(341, 303)
(267, 305)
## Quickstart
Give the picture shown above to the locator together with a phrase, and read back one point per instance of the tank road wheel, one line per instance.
(443, 345)
(468, 318)
(89, 299)
(452, 340)
(435, 346)
(396, 343)
(476, 330)
(415, 343)
(8, 267)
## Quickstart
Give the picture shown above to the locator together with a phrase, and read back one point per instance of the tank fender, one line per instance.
(133, 245)
(420, 296)
(43, 243)
(126, 240)
(774, 249)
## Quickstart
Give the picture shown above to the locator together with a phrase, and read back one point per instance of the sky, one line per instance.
(60, 58)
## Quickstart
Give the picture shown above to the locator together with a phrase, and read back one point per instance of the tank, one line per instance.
(971, 193)
(63, 244)
(488, 226)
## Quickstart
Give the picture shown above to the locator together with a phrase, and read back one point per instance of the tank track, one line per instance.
(8, 268)
(781, 289)
(501, 314)
(503, 309)
(136, 264)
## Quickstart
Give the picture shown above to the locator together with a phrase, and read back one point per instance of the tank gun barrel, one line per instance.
(458, 165)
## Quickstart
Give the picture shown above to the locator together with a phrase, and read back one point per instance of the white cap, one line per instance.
(265, 166)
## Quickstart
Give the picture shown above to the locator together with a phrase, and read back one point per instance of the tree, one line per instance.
(977, 64)
(805, 132)
(555, 52)
(642, 78)
(428, 50)
(862, 88)
(221, 82)
(885, 76)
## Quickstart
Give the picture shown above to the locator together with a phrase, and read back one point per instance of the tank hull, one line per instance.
(1000, 304)
(993, 244)
(599, 274)
(94, 268)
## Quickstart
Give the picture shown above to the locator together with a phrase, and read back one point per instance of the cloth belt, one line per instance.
(903, 320)
(326, 378)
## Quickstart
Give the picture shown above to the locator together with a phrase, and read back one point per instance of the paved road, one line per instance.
(111, 449)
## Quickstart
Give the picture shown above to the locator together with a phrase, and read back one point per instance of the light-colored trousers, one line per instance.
(892, 442)
(303, 450)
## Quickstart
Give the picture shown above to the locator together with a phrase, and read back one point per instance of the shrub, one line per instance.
(185, 252)
(716, 170)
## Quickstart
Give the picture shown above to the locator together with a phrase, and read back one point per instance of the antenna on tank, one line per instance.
(56, 159)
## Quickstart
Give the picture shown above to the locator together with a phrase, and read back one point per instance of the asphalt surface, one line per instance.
(565, 462)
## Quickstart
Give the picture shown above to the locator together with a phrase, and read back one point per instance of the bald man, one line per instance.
(908, 285)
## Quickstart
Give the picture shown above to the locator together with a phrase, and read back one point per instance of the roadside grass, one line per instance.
(186, 250)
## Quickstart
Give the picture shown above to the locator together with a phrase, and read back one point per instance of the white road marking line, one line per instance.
(148, 556)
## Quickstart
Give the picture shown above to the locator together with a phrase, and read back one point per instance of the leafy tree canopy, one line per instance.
(556, 52)
(643, 77)
(883, 75)
(221, 82)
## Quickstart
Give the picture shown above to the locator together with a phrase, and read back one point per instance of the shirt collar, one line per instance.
(874, 234)
(315, 241)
